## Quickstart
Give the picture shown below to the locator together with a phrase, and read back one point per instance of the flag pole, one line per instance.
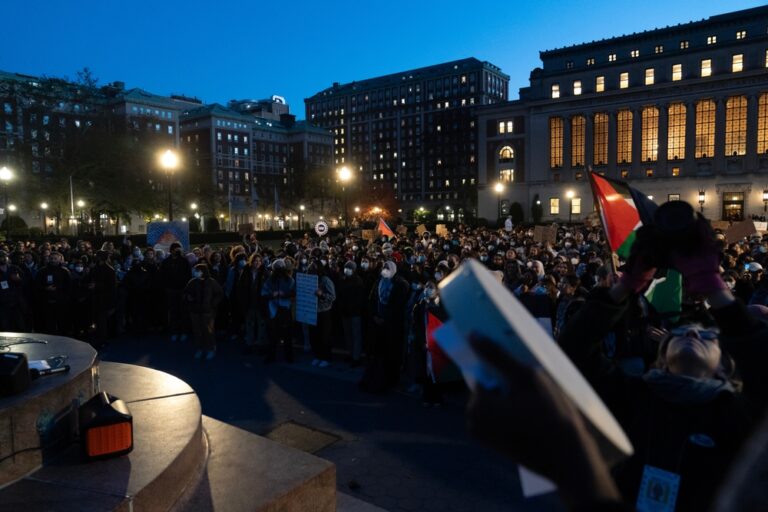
(613, 263)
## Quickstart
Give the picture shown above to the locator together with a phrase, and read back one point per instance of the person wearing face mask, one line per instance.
(249, 287)
(202, 296)
(175, 273)
(53, 293)
(102, 281)
(136, 285)
(12, 300)
(387, 306)
(279, 289)
(320, 334)
(351, 303)
(237, 301)
(686, 415)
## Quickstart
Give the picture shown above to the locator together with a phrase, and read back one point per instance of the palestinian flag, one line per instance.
(622, 210)
(384, 229)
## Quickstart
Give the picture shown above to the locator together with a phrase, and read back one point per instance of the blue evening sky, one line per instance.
(218, 50)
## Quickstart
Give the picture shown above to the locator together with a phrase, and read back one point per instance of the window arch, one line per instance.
(506, 154)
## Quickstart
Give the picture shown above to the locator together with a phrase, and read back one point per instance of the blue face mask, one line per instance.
(241, 263)
(198, 274)
(422, 258)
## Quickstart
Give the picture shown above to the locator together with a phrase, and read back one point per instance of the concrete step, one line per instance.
(347, 503)
(246, 472)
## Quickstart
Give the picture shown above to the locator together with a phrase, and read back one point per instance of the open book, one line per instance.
(478, 303)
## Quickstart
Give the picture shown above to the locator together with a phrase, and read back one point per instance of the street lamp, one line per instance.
(81, 205)
(301, 216)
(702, 197)
(570, 194)
(765, 199)
(345, 175)
(6, 176)
(499, 189)
(169, 162)
(44, 207)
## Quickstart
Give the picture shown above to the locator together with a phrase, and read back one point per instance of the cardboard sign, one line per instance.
(401, 230)
(762, 227)
(245, 229)
(368, 234)
(544, 234)
(306, 300)
(421, 229)
(441, 230)
(722, 225)
(739, 230)
(160, 235)
(495, 313)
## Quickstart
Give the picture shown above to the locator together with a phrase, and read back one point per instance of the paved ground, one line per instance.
(392, 452)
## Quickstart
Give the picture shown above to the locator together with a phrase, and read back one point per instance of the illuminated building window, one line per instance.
(554, 206)
(510, 126)
(578, 176)
(612, 57)
(706, 67)
(625, 173)
(624, 80)
(569, 64)
(599, 84)
(649, 76)
(578, 129)
(741, 34)
(591, 61)
(555, 142)
(555, 91)
(502, 127)
(736, 126)
(677, 72)
(624, 137)
(506, 154)
(576, 206)
(650, 134)
(711, 39)
(649, 173)
(576, 87)
(600, 139)
(676, 132)
(683, 45)
(737, 62)
(675, 172)
(762, 124)
(507, 175)
(634, 54)
(659, 49)
(705, 129)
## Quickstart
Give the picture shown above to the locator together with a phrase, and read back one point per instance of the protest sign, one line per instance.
(761, 227)
(160, 235)
(401, 230)
(544, 234)
(739, 230)
(441, 230)
(306, 300)
(496, 314)
(420, 229)
(722, 225)
(369, 235)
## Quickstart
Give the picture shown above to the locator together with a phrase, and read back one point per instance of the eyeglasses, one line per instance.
(704, 334)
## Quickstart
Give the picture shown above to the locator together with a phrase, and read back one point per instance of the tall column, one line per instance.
(719, 156)
(690, 138)
(663, 168)
(567, 142)
(612, 161)
(637, 141)
(589, 137)
(750, 160)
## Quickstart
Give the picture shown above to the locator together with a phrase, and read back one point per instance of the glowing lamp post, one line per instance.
(570, 195)
(6, 175)
(499, 189)
(169, 161)
(345, 175)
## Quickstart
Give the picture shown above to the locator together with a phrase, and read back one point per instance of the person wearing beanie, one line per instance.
(201, 297)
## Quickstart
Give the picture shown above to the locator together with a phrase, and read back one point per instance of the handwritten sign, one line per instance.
(401, 230)
(420, 229)
(441, 230)
(369, 234)
(545, 234)
(306, 300)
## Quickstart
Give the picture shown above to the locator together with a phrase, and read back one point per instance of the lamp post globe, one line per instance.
(169, 161)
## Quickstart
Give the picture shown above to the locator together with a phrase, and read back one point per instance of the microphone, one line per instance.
(34, 373)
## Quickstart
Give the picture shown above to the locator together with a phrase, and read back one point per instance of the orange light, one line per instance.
(109, 439)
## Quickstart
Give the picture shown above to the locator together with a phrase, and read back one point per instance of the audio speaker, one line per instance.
(14, 373)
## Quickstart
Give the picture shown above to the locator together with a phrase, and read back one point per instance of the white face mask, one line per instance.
(438, 276)
(348, 272)
(574, 261)
(303, 261)
(386, 274)
(364, 265)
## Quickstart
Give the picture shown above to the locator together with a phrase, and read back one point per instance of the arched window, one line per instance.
(506, 154)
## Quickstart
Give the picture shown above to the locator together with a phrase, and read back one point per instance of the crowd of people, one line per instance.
(685, 405)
